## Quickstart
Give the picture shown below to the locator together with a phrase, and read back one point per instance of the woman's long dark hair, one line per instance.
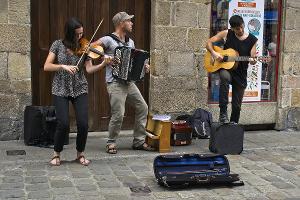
(70, 40)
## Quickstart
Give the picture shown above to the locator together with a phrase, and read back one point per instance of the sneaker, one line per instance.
(223, 118)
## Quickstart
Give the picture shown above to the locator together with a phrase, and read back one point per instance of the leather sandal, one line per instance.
(81, 160)
(111, 149)
(57, 161)
(143, 147)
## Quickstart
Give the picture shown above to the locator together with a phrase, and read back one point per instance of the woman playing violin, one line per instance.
(69, 84)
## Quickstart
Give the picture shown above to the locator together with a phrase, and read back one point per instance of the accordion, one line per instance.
(131, 63)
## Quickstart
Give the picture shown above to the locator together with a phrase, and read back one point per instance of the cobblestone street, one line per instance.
(269, 166)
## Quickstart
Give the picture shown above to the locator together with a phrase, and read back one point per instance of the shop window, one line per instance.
(265, 74)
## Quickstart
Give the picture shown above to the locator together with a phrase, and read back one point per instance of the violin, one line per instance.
(85, 45)
(92, 51)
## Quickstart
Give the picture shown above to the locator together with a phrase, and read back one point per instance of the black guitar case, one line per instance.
(226, 138)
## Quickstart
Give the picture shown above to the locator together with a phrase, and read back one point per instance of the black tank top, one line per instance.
(243, 47)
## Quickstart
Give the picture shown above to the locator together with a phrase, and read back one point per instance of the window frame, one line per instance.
(275, 99)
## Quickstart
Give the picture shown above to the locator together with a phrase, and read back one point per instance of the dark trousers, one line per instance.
(237, 95)
(80, 104)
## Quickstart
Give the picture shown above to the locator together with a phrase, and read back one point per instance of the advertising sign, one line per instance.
(252, 11)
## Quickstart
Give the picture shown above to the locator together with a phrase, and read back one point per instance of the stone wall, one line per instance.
(178, 38)
(15, 68)
(288, 115)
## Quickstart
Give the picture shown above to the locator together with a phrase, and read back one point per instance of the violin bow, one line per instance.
(81, 57)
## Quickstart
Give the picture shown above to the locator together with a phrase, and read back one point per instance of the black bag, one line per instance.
(226, 138)
(40, 125)
(201, 121)
(193, 169)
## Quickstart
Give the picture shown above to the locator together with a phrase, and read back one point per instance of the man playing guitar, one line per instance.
(245, 44)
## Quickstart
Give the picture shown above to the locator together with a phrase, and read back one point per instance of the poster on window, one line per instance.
(252, 11)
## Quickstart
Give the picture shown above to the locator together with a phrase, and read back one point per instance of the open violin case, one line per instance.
(194, 169)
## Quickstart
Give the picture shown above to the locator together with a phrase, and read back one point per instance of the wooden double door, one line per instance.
(48, 18)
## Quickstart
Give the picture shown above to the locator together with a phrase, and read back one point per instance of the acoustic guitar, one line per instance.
(230, 59)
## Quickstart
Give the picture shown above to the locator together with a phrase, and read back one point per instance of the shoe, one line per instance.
(81, 160)
(111, 149)
(223, 119)
(57, 161)
(144, 147)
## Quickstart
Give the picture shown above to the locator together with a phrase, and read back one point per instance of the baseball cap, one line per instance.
(120, 17)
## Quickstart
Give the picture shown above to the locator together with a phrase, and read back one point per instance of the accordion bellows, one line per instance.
(131, 65)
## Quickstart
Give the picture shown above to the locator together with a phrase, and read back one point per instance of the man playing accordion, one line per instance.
(120, 90)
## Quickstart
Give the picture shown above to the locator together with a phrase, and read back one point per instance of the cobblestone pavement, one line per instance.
(269, 166)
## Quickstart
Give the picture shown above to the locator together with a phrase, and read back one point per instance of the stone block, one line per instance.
(19, 11)
(36, 180)
(61, 183)
(201, 1)
(24, 100)
(290, 18)
(181, 64)
(267, 112)
(109, 184)
(204, 15)
(202, 83)
(291, 81)
(295, 98)
(171, 101)
(293, 3)
(159, 63)
(12, 194)
(199, 63)
(202, 93)
(10, 104)
(3, 66)
(161, 13)
(285, 100)
(76, 175)
(186, 14)
(3, 11)
(39, 194)
(165, 83)
(86, 187)
(12, 179)
(283, 185)
(197, 38)
(15, 38)
(10, 129)
(64, 191)
(289, 41)
(277, 195)
(36, 173)
(37, 187)
(169, 38)
(22, 86)
(281, 119)
(291, 64)
(296, 70)
(293, 118)
(165, 195)
(18, 66)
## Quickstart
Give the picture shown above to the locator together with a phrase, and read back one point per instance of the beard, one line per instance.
(127, 29)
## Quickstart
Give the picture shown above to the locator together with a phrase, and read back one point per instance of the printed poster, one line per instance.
(252, 11)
